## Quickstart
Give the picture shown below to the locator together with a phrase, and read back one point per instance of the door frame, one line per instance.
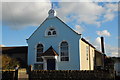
(53, 64)
(50, 57)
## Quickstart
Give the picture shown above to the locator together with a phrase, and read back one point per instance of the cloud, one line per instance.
(0, 12)
(111, 7)
(87, 39)
(18, 15)
(109, 17)
(110, 12)
(2, 45)
(87, 12)
(60, 1)
(78, 29)
(103, 33)
(24, 1)
(109, 49)
(97, 43)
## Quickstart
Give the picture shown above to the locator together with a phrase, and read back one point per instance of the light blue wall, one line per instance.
(63, 33)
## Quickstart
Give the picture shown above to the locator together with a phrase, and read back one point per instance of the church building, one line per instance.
(55, 46)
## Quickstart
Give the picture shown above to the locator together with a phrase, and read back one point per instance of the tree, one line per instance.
(8, 62)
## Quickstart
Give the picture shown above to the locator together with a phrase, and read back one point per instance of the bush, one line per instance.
(8, 62)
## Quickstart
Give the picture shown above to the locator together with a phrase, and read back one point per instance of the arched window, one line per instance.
(51, 32)
(39, 51)
(64, 52)
(54, 32)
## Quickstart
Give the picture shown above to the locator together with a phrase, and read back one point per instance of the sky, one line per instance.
(91, 19)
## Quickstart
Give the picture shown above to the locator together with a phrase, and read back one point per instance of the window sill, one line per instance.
(50, 35)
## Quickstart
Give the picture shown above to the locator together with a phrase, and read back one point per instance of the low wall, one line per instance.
(8, 75)
(70, 75)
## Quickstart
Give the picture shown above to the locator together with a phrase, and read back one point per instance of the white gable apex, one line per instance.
(54, 22)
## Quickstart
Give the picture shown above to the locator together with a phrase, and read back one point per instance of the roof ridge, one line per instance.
(68, 26)
(87, 42)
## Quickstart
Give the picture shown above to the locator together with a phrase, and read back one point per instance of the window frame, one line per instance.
(36, 53)
(87, 52)
(51, 29)
(68, 52)
(36, 62)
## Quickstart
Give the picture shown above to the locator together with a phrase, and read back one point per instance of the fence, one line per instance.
(70, 75)
(61, 75)
(10, 75)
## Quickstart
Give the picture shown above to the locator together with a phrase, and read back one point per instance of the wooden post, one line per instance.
(30, 68)
(16, 72)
